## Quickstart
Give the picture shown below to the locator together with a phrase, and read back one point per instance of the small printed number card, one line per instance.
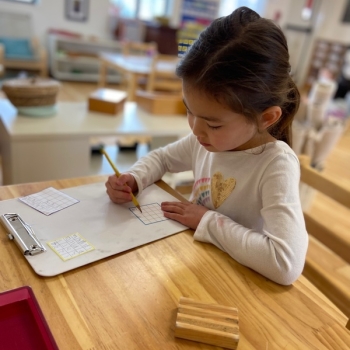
(70, 246)
(49, 201)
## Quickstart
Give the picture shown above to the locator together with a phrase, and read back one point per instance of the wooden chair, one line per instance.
(1, 60)
(328, 259)
(14, 26)
(160, 80)
(38, 63)
(139, 49)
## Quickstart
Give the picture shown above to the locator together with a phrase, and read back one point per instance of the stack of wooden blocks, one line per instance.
(108, 101)
(207, 323)
(159, 103)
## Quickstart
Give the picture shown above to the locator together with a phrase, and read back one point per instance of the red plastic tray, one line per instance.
(22, 323)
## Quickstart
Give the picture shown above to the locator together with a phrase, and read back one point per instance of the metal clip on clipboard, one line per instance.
(22, 234)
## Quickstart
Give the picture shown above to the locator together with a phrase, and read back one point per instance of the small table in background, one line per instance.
(39, 149)
(134, 66)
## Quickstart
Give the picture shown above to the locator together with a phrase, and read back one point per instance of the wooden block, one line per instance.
(107, 101)
(207, 323)
(160, 103)
(200, 312)
(209, 307)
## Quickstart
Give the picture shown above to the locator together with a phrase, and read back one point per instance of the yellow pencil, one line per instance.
(134, 200)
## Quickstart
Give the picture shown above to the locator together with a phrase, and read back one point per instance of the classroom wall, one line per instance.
(330, 25)
(329, 19)
(277, 6)
(50, 14)
(326, 25)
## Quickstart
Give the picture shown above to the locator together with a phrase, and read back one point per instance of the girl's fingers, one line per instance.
(117, 185)
(174, 207)
(175, 203)
(118, 196)
(173, 216)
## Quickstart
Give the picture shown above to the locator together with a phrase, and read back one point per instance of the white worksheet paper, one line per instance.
(71, 246)
(49, 201)
(150, 214)
(109, 228)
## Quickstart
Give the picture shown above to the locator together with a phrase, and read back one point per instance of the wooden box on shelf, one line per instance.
(160, 103)
(107, 101)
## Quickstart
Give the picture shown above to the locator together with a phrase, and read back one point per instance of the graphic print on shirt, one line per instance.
(201, 192)
(217, 189)
(221, 188)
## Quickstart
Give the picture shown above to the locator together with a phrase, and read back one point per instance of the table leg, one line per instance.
(103, 74)
(132, 86)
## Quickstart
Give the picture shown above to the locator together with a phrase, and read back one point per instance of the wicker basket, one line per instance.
(33, 92)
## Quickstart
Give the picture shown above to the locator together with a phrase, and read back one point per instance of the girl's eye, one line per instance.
(214, 127)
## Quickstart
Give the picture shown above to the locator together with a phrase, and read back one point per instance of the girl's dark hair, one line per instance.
(243, 61)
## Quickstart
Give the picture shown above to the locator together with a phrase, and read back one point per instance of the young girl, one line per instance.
(240, 103)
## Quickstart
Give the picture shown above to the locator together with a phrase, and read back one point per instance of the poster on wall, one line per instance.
(196, 15)
(201, 12)
(77, 10)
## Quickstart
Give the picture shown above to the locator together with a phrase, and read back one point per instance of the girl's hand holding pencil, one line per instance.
(120, 189)
(116, 193)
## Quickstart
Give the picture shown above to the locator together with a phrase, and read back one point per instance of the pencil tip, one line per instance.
(139, 208)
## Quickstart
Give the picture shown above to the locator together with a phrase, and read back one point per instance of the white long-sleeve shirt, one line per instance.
(253, 195)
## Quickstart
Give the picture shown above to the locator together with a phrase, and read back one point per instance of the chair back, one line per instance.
(2, 54)
(139, 49)
(328, 255)
(164, 79)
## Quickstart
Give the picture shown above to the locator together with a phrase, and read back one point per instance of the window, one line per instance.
(228, 6)
(143, 9)
(24, 1)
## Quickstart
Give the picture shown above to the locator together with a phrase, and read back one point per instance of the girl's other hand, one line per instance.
(119, 189)
(187, 214)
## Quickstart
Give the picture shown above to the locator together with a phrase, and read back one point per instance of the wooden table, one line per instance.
(134, 66)
(128, 301)
(40, 149)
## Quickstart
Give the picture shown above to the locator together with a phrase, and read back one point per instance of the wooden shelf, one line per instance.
(326, 54)
(78, 59)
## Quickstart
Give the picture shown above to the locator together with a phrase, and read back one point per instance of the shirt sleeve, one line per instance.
(173, 158)
(279, 250)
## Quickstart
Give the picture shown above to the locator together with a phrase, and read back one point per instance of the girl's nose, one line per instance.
(197, 127)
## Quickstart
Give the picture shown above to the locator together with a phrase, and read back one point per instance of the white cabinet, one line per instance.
(77, 59)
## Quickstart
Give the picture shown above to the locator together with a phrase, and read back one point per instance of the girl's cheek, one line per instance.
(190, 121)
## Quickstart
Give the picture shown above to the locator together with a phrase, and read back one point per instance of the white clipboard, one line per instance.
(108, 227)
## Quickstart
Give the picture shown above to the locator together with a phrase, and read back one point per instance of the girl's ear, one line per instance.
(270, 116)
